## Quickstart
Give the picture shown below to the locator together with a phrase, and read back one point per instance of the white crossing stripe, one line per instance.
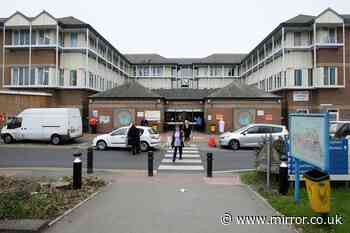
(183, 155)
(182, 161)
(181, 167)
(187, 152)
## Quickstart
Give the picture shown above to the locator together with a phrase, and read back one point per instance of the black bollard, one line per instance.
(150, 163)
(209, 164)
(77, 171)
(283, 178)
(90, 160)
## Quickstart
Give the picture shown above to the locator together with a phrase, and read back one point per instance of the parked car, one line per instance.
(56, 125)
(340, 129)
(118, 138)
(251, 135)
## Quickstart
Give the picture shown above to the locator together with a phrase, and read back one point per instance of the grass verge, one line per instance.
(41, 198)
(340, 203)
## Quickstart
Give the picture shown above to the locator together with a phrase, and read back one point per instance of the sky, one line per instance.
(179, 28)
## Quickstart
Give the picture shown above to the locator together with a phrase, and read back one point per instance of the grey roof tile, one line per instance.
(130, 89)
(237, 90)
(184, 93)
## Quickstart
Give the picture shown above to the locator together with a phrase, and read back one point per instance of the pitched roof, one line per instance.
(241, 91)
(216, 58)
(184, 93)
(300, 19)
(70, 20)
(130, 89)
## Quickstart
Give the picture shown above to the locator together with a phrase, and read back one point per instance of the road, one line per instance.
(48, 156)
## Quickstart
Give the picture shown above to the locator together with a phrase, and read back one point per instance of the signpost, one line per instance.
(309, 142)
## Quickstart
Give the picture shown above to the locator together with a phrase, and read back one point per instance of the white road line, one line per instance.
(180, 167)
(185, 152)
(182, 161)
(183, 155)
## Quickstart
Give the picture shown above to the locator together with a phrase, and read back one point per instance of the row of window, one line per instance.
(185, 72)
(38, 76)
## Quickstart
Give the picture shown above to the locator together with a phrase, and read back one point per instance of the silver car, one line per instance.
(251, 135)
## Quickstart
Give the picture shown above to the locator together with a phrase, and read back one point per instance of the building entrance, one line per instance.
(175, 117)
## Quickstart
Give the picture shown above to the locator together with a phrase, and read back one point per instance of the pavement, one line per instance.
(169, 203)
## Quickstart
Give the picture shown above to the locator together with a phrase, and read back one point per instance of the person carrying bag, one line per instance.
(177, 142)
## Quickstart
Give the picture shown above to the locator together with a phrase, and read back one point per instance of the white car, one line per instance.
(251, 135)
(119, 138)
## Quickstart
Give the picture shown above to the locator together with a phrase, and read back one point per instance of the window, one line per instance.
(332, 35)
(46, 76)
(20, 37)
(333, 114)
(329, 76)
(310, 80)
(26, 76)
(91, 80)
(61, 78)
(20, 76)
(33, 37)
(253, 130)
(121, 131)
(303, 110)
(73, 39)
(32, 76)
(298, 78)
(40, 76)
(157, 70)
(15, 76)
(41, 37)
(73, 78)
(297, 38)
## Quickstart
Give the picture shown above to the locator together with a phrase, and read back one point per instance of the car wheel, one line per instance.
(56, 139)
(8, 139)
(144, 146)
(101, 145)
(234, 144)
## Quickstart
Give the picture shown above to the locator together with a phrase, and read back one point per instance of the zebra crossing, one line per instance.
(191, 160)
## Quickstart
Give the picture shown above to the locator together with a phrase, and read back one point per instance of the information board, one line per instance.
(309, 135)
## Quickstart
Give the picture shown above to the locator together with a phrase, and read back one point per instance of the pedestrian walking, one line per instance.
(177, 142)
(187, 131)
(134, 139)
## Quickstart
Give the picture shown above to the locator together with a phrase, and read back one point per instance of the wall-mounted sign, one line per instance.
(209, 117)
(299, 96)
(260, 113)
(104, 119)
(140, 114)
(219, 117)
(268, 117)
(152, 115)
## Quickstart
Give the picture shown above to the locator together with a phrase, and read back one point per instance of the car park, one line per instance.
(118, 138)
(251, 136)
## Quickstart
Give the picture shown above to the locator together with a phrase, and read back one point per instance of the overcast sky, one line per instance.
(179, 28)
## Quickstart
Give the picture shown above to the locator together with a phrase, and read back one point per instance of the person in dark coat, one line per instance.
(177, 142)
(187, 131)
(134, 139)
(144, 122)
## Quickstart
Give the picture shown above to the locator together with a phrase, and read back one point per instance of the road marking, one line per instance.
(182, 161)
(187, 152)
(181, 167)
(184, 155)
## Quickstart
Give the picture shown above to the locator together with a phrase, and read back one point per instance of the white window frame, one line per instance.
(334, 110)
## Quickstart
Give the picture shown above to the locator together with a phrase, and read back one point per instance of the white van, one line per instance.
(45, 124)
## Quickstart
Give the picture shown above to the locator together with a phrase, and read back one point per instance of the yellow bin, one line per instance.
(318, 190)
(213, 128)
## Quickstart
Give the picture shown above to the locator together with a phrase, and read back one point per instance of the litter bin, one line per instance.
(318, 190)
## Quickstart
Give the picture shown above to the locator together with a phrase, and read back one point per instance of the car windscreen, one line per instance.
(239, 130)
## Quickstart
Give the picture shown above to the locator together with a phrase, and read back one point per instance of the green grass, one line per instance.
(340, 203)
